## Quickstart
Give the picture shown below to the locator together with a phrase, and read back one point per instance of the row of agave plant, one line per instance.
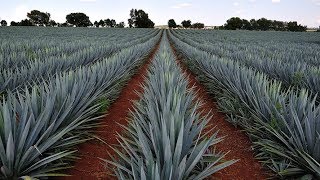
(283, 125)
(291, 72)
(284, 46)
(37, 69)
(18, 47)
(166, 137)
(39, 127)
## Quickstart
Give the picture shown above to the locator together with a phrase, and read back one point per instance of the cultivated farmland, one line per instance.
(99, 103)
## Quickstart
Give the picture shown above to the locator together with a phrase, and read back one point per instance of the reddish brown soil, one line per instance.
(90, 166)
(236, 141)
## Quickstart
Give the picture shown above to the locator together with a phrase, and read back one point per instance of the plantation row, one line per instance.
(23, 61)
(165, 138)
(291, 62)
(56, 86)
(283, 124)
(40, 125)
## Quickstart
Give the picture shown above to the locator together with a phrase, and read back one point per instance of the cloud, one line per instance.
(275, 1)
(252, 1)
(88, 0)
(240, 12)
(316, 2)
(182, 5)
(235, 4)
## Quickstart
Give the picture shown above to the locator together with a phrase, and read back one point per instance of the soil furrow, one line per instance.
(236, 142)
(90, 166)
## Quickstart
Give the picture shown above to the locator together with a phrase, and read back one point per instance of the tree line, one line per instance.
(262, 24)
(138, 19)
(185, 24)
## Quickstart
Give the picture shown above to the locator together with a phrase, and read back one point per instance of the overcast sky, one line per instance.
(210, 12)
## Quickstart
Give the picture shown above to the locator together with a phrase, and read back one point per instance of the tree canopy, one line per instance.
(25, 22)
(198, 25)
(3, 23)
(120, 25)
(234, 23)
(293, 26)
(262, 24)
(39, 18)
(139, 19)
(78, 19)
(52, 23)
(186, 23)
(172, 23)
(111, 23)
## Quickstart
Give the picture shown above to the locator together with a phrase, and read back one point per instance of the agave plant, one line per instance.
(283, 65)
(38, 127)
(20, 75)
(283, 125)
(165, 138)
(20, 46)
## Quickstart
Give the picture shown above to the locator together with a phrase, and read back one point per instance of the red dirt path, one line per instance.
(236, 141)
(90, 166)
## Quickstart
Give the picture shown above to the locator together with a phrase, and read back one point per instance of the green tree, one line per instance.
(78, 19)
(3, 23)
(246, 25)
(278, 25)
(293, 26)
(130, 23)
(52, 23)
(254, 24)
(102, 23)
(186, 23)
(26, 22)
(13, 23)
(39, 18)
(131, 20)
(64, 25)
(172, 23)
(139, 19)
(120, 25)
(110, 22)
(234, 23)
(96, 24)
(264, 24)
(198, 25)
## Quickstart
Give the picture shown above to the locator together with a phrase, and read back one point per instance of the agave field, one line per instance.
(59, 88)
(267, 84)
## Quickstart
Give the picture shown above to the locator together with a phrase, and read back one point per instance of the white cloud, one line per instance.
(235, 4)
(252, 1)
(182, 5)
(240, 12)
(316, 2)
(275, 1)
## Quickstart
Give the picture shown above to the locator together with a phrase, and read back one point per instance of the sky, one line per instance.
(209, 12)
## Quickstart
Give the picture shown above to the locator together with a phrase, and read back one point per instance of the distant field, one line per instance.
(67, 92)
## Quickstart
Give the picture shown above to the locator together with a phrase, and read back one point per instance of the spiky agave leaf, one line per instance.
(284, 125)
(164, 138)
(34, 123)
